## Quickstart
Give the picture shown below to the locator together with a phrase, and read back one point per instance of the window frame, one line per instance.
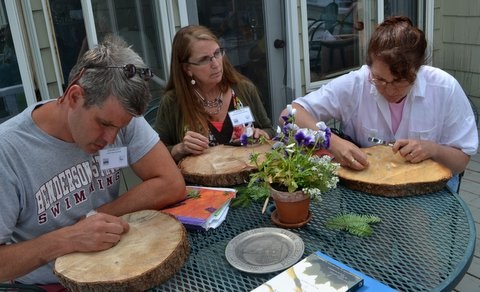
(371, 10)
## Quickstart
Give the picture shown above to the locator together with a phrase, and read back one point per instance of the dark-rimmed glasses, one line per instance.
(397, 84)
(219, 53)
(130, 70)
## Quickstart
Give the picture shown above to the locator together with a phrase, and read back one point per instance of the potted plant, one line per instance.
(292, 171)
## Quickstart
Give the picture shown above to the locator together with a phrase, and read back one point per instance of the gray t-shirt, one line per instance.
(46, 183)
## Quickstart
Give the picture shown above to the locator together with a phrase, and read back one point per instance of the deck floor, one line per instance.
(470, 193)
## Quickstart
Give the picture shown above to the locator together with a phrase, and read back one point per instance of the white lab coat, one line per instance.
(436, 109)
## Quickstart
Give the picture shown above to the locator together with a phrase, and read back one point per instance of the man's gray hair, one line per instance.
(100, 82)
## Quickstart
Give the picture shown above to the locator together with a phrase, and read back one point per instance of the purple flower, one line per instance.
(326, 138)
(244, 139)
(304, 137)
(247, 137)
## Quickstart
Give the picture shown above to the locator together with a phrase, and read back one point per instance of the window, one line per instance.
(12, 97)
(336, 33)
(333, 37)
(137, 22)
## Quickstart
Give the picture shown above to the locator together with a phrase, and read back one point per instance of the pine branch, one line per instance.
(353, 223)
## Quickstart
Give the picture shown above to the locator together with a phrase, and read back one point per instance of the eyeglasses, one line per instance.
(219, 53)
(130, 70)
(397, 84)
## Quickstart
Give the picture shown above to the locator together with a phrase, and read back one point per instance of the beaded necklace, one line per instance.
(215, 104)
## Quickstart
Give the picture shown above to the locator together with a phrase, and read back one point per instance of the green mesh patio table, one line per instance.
(423, 242)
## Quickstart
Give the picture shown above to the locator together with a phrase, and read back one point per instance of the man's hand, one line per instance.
(94, 233)
(97, 232)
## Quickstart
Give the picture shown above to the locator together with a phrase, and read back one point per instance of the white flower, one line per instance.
(291, 110)
(313, 193)
(290, 146)
(249, 132)
(321, 126)
(322, 135)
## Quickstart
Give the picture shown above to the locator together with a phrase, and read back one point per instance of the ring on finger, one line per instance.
(352, 160)
(411, 155)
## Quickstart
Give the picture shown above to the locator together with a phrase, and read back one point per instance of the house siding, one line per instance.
(457, 43)
(40, 24)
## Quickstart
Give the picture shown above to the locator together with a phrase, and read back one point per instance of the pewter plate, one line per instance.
(264, 250)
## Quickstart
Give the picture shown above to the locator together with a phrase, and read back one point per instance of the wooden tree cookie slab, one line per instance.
(391, 175)
(154, 248)
(221, 165)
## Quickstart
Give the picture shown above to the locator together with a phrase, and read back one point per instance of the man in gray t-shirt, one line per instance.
(61, 159)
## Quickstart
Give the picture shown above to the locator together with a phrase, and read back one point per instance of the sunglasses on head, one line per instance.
(130, 70)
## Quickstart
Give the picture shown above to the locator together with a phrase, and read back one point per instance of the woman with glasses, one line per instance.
(206, 102)
(395, 97)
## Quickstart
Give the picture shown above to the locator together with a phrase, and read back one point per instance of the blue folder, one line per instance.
(369, 283)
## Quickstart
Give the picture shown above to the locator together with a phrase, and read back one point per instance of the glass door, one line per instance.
(421, 13)
(12, 97)
(336, 32)
(242, 28)
(333, 28)
(69, 27)
(137, 22)
(408, 8)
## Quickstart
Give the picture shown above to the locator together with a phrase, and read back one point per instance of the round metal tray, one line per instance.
(264, 250)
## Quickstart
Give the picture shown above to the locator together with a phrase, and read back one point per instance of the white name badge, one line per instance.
(113, 158)
(241, 116)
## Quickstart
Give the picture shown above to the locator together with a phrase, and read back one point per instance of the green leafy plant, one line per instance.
(353, 223)
(193, 194)
(292, 164)
(245, 195)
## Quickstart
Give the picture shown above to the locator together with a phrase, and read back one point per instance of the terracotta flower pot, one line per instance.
(292, 209)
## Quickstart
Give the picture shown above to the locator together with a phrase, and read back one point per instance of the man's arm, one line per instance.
(162, 184)
(95, 233)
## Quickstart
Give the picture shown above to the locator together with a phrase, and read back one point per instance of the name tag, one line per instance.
(241, 116)
(113, 158)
